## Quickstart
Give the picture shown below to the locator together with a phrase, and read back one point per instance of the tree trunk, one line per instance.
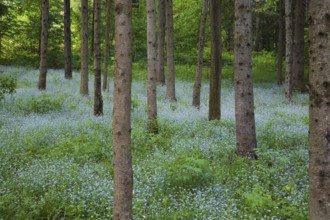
(152, 53)
(107, 45)
(121, 129)
(319, 111)
(199, 69)
(244, 105)
(43, 45)
(288, 48)
(215, 77)
(98, 102)
(280, 44)
(92, 38)
(258, 34)
(67, 40)
(161, 42)
(170, 89)
(84, 48)
(298, 47)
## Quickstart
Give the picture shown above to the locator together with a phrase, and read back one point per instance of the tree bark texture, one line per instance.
(106, 46)
(215, 77)
(121, 129)
(161, 42)
(288, 48)
(319, 111)
(67, 40)
(98, 102)
(43, 45)
(280, 44)
(152, 53)
(244, 105)
(84, 48)
(170, 89)
(199, 69)
(298, 46)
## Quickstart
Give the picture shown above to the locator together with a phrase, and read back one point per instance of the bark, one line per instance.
(298, 47)
(152, 82)
(67, 40)
(98, 102)
(319, 111)
(107, 45)
(84, 48)
(280, 44)
(199, 69)
(170, 89)
(92, 39)
(121, 129)
(43, 45)
(215, 77)
(161, 42)
(288, 48)
(244, 105)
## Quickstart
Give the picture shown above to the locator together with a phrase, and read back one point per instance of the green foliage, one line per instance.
(40, 104)
(8, 85)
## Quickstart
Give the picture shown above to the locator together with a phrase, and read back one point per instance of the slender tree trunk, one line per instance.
(107, 45)
(161, 42)
(258, 33)
(319, 111)
(92, 39)
(215, 77)
(152, 53)
(121, 127)
(288, 48)
(43, 45)
(199, 69)
(98, 102)
(280, 44)
(298, 47)
(84, 48)
(67, 40)
(244, 105)
(170, 89)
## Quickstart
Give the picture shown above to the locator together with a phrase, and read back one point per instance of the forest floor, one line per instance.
(56, 157)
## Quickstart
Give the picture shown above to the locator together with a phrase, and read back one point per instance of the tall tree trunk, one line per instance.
(319, 111)
(215, 77)
(43, 45)
(280, 44)
(161, 42)
(92, 39)
(67, 40)
(298, 47)
(98, 102)
(152, 53)
(121, 123)
(258, 33)
(288, 48)
(84, 48)
(170, 89)
(244, 105)
(199, 69)
(107, 45)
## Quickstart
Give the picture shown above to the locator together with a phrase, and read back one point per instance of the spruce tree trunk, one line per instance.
(107, 45)
(288, 48)
(298, 47)
(319, 111)
(280, 43)
(215, 77)
(244, 105)
(84, 48)
(98, 102)
(121, 120)
(67, 40)
(199, 69)
(161, 42)
(152, 53)
(43, 45)
(170, 89)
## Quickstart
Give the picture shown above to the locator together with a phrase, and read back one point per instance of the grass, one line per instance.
(56, 157)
